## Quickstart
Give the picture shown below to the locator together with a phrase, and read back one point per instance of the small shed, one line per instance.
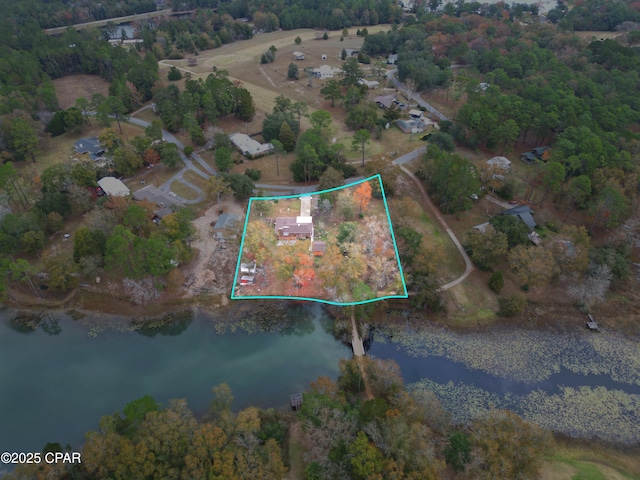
(318, 248)
(225, 224)
(415, 114)
(296, 400)
(298, 55)
(392, 59)
(528, 157)
(542, 153)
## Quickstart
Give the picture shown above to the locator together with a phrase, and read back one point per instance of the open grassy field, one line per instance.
(590, 462)
(75, 86)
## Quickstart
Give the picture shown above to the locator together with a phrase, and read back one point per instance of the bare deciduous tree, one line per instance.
(141, 292)
(594, 286)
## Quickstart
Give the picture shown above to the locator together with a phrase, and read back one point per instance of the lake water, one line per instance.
(55, 387)
(57, 381)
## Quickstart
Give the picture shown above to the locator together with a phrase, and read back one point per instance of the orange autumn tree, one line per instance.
(362, 196)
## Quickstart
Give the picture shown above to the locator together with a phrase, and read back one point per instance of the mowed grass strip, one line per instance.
(183, 191)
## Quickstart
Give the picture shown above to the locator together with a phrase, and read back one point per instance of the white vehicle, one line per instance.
(171, 194)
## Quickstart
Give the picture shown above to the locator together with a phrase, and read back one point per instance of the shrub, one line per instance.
(253, 174)
(496, 282)
(188, 150)
(174, 74)
(511, 305)
(507, 191)
(298, 40)
(458, 452)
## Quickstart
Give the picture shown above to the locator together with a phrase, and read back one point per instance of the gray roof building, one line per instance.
(524, 213)
(90, 145)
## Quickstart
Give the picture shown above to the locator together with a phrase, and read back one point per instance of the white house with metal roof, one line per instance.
(249, 147)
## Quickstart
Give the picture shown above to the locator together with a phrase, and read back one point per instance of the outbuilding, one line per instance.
(113, 187)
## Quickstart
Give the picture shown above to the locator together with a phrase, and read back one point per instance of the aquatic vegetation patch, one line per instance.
(525, 355)
(585, 412)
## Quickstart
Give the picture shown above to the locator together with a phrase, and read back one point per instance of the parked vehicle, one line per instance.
(247, 280)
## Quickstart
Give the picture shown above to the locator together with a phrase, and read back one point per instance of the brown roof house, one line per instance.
(294, 228)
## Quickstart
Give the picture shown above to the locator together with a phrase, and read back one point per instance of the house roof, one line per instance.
(153, 194)
(392, 58)
(90, 145)
(501, 162)
(326, 70)
(524, 213)
(226, 220)
(292, 225)
(113, 187)
(249, 146)
(528, 156)
(385, 100)
(408, 126)
(540, 150)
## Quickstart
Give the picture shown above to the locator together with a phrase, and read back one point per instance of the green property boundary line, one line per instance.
(319, 300)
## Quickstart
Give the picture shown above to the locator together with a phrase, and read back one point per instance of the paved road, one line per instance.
(391, 75)
(189, 164)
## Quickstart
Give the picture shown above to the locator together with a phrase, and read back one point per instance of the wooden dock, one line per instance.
(592, 324)
(296, 400)
(356, 342)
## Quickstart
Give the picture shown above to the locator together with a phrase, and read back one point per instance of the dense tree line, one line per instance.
(202, 100)
(49, 14)
(542, 87)
(600, 15)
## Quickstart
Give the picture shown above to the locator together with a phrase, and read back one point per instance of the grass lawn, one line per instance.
(592, 462)
(183, 191)
(267, 165)
(147, 115)
(196, 179)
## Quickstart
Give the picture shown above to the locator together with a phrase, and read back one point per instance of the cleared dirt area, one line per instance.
(75, 86)
(213, 268)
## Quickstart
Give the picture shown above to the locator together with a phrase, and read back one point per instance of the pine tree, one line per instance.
(286, 137)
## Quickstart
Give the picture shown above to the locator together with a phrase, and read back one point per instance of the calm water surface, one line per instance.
(56, 382)
(55, 387)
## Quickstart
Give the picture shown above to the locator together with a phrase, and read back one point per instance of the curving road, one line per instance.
(188, 162)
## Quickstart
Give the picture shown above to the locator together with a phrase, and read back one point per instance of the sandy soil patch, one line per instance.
(213, 268)
(75, 86)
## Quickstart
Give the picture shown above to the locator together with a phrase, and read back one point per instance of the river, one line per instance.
(59, 379)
